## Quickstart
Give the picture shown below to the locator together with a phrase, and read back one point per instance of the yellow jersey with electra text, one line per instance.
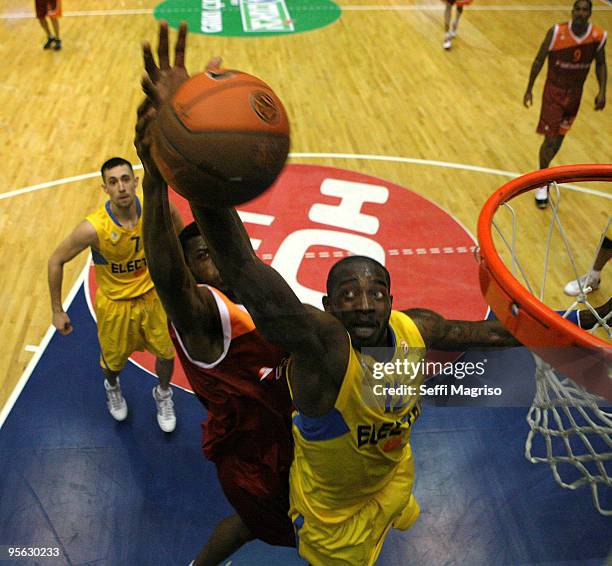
(120, 263)
(345, 458)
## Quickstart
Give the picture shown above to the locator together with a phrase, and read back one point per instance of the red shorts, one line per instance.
(260, 496)
(459, 3)
(51, 8)
(559, 109)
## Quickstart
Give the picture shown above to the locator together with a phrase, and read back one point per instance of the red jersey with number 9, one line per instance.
(570, 56)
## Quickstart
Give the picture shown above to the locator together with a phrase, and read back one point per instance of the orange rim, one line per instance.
(577, 353)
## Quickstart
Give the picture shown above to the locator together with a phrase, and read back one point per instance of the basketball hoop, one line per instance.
(566, 412)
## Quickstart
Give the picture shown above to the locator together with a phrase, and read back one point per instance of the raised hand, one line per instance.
(162, 81)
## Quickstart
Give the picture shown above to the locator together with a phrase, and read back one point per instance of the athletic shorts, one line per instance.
(260, 497)
(459, 3)
(559, 109)
(129, 325)
(51, 8)
(359, 539)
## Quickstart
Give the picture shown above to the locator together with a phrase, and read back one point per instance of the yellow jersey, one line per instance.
(343, 459)
(120, 263)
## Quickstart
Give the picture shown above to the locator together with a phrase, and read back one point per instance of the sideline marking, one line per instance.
(414, 161)
(42, 347)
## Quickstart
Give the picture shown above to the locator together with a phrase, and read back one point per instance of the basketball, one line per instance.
(222, 139)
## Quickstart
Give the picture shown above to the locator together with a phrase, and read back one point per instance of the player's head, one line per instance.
(119, 182)
(359, 295)
(197, 256)
(581, 11)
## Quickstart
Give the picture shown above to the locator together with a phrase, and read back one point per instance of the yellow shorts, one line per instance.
(132, 324)
(358, 540)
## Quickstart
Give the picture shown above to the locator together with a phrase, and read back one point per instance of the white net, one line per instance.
(570, 428)
(570, 432)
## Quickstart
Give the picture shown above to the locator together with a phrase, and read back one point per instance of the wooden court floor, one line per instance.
(375, 83)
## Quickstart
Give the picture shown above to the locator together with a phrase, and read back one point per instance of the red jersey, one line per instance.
(248, 401)
(570, 57)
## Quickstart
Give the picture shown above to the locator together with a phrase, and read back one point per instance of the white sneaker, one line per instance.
(588, 283)
(116, 404)
(541, 197)
(166, 418)
(447, 41)
(452, 33)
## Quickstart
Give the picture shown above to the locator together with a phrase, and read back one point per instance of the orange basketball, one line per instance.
(222, 139)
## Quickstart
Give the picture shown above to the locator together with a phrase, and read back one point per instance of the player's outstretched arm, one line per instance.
(82, 237)
(187, 307)
(538, 62)
(315, 339)
(440, 333)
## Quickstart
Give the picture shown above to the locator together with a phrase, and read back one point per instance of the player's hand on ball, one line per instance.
(162, 80)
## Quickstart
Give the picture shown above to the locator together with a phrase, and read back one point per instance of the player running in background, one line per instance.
(450, 29)
(570, 48)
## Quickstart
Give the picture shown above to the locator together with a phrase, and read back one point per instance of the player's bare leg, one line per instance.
(229, 535)
(162, 393)
(453, 28)
(50, 38)
(549, 148)
(447, 19)
(56, 32)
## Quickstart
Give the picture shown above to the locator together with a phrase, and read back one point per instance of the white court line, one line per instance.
(347, 8)
(41, 350)
(49, 184)
(444, 164)
(82, 277)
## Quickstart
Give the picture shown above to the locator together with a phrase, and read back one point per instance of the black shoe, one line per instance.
(541, 203)
(57, 44)
(49, 43)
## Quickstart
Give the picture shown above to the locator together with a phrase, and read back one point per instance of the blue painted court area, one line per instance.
(123, 494)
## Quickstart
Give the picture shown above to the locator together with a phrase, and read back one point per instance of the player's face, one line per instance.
(201, 264)
(120, 185)
(361, 300)
(581, 12)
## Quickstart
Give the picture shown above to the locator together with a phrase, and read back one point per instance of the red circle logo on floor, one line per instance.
(313, 216)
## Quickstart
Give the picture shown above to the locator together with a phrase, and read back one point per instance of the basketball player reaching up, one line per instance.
(352, 474)
(570, 48)
(230, 366)
(129, 314)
